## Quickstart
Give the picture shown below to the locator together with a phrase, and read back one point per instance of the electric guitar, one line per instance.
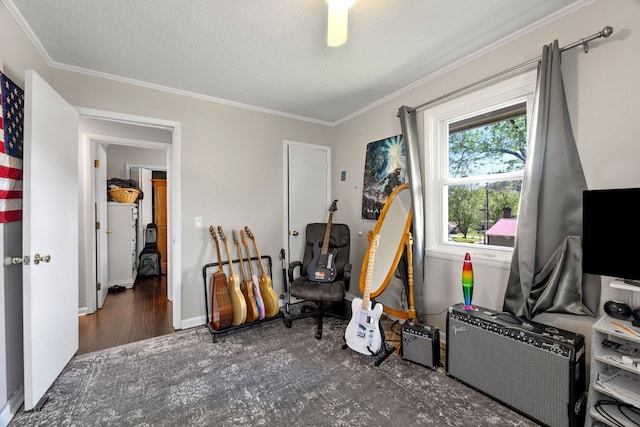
(363, 331)
(271, 305)
(322, 267)
(235, 293)
(255, 288)
(221, 308)
(250, 301)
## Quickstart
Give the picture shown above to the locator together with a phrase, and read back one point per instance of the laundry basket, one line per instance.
(124, 195)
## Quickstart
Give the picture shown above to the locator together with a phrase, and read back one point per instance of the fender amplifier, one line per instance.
(421, 344)
(535, 369)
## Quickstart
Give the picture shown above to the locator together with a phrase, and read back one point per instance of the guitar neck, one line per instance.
(226, 245)
(231, 272)
(244, 276)
(246, 248)
(215, 239)
(367, 278)
(327, 236)
(262, 271)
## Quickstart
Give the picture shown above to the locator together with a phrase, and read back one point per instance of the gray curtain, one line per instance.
(409, 126)
(546, 268)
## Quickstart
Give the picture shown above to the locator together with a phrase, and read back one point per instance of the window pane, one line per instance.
(484, 213)
(478, 146)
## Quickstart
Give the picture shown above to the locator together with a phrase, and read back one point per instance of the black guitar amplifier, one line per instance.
(536, 369)
(421, 344)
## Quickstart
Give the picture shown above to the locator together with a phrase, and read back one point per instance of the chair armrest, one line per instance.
(292, 266)
(347, 276)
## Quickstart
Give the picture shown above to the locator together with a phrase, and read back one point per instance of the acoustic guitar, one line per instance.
(255, 288)
(250, 301)
(235, 293)
(363, 331)
(221, 308)
(322, 265)
(271, 305)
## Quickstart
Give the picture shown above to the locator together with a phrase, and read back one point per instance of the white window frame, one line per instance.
(514, 90)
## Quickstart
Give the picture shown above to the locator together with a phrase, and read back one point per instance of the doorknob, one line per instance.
(294, 233)
(37, 258)
(16, 260)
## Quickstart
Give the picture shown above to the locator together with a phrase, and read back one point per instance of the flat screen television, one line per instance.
(610, 233)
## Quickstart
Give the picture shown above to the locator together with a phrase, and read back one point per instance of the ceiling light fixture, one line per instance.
(337, 21)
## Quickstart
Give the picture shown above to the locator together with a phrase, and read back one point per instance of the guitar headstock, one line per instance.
(249, 233)
(333, 206)
(213, 233)
(222, 236)
(243, 237)
(235, 237)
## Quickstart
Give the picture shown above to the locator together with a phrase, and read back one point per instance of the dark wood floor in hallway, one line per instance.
(127, 316)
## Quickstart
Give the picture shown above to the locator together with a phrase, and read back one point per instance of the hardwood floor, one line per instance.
(127, 316)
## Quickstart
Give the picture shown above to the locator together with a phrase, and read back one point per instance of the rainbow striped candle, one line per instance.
(467, 282)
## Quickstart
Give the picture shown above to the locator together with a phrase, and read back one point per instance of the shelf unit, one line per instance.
(608, 371)
(206, 277)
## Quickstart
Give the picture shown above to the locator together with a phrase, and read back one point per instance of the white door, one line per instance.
(309, 192)
(145, 206)
(50, 229)
(100, 194)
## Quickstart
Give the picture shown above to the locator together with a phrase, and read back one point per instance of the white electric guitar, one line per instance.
(363, 331)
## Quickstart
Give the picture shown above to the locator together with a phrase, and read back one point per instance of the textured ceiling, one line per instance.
(272, 54)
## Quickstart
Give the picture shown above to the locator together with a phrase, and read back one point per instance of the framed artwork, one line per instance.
(385, 167)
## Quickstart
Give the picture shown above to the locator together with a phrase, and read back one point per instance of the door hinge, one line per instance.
(96, 163)
(98, 286)
(97, 225)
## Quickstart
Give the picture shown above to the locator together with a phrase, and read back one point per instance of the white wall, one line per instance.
(118, 156)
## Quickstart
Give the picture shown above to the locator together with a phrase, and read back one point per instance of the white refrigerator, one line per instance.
(121, 240)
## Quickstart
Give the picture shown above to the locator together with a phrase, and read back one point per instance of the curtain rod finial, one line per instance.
(607, 31)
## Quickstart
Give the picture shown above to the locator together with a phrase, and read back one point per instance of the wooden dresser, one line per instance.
(160, 218)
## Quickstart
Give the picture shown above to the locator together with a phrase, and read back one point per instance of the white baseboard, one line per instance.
(193, 322)
(11, 406)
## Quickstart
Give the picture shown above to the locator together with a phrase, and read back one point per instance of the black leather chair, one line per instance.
(327, 299)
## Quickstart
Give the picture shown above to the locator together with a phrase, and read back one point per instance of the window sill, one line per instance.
(481, 256)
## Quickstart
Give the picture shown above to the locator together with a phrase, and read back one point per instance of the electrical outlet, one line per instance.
(198, 222)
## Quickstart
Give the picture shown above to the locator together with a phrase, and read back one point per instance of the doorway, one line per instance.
(133, 132)
(307, 192)
(128, 308)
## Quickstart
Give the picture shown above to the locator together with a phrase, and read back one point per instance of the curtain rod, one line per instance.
(606, 32)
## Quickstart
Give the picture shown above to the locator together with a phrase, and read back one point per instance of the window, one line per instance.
(475, 149)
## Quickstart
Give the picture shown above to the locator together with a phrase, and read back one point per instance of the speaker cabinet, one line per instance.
(535, 369)
(421, 344)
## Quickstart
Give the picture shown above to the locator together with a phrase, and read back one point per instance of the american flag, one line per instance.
(11, 147)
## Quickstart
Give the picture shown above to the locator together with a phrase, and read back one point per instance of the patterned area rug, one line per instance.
(268, 375)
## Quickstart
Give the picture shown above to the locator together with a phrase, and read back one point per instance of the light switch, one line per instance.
(198, 222)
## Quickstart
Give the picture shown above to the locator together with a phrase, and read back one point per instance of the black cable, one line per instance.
(604, 414)
(599, 407)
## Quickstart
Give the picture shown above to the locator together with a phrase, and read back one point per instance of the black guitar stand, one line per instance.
(218, 332)
(385, 349)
